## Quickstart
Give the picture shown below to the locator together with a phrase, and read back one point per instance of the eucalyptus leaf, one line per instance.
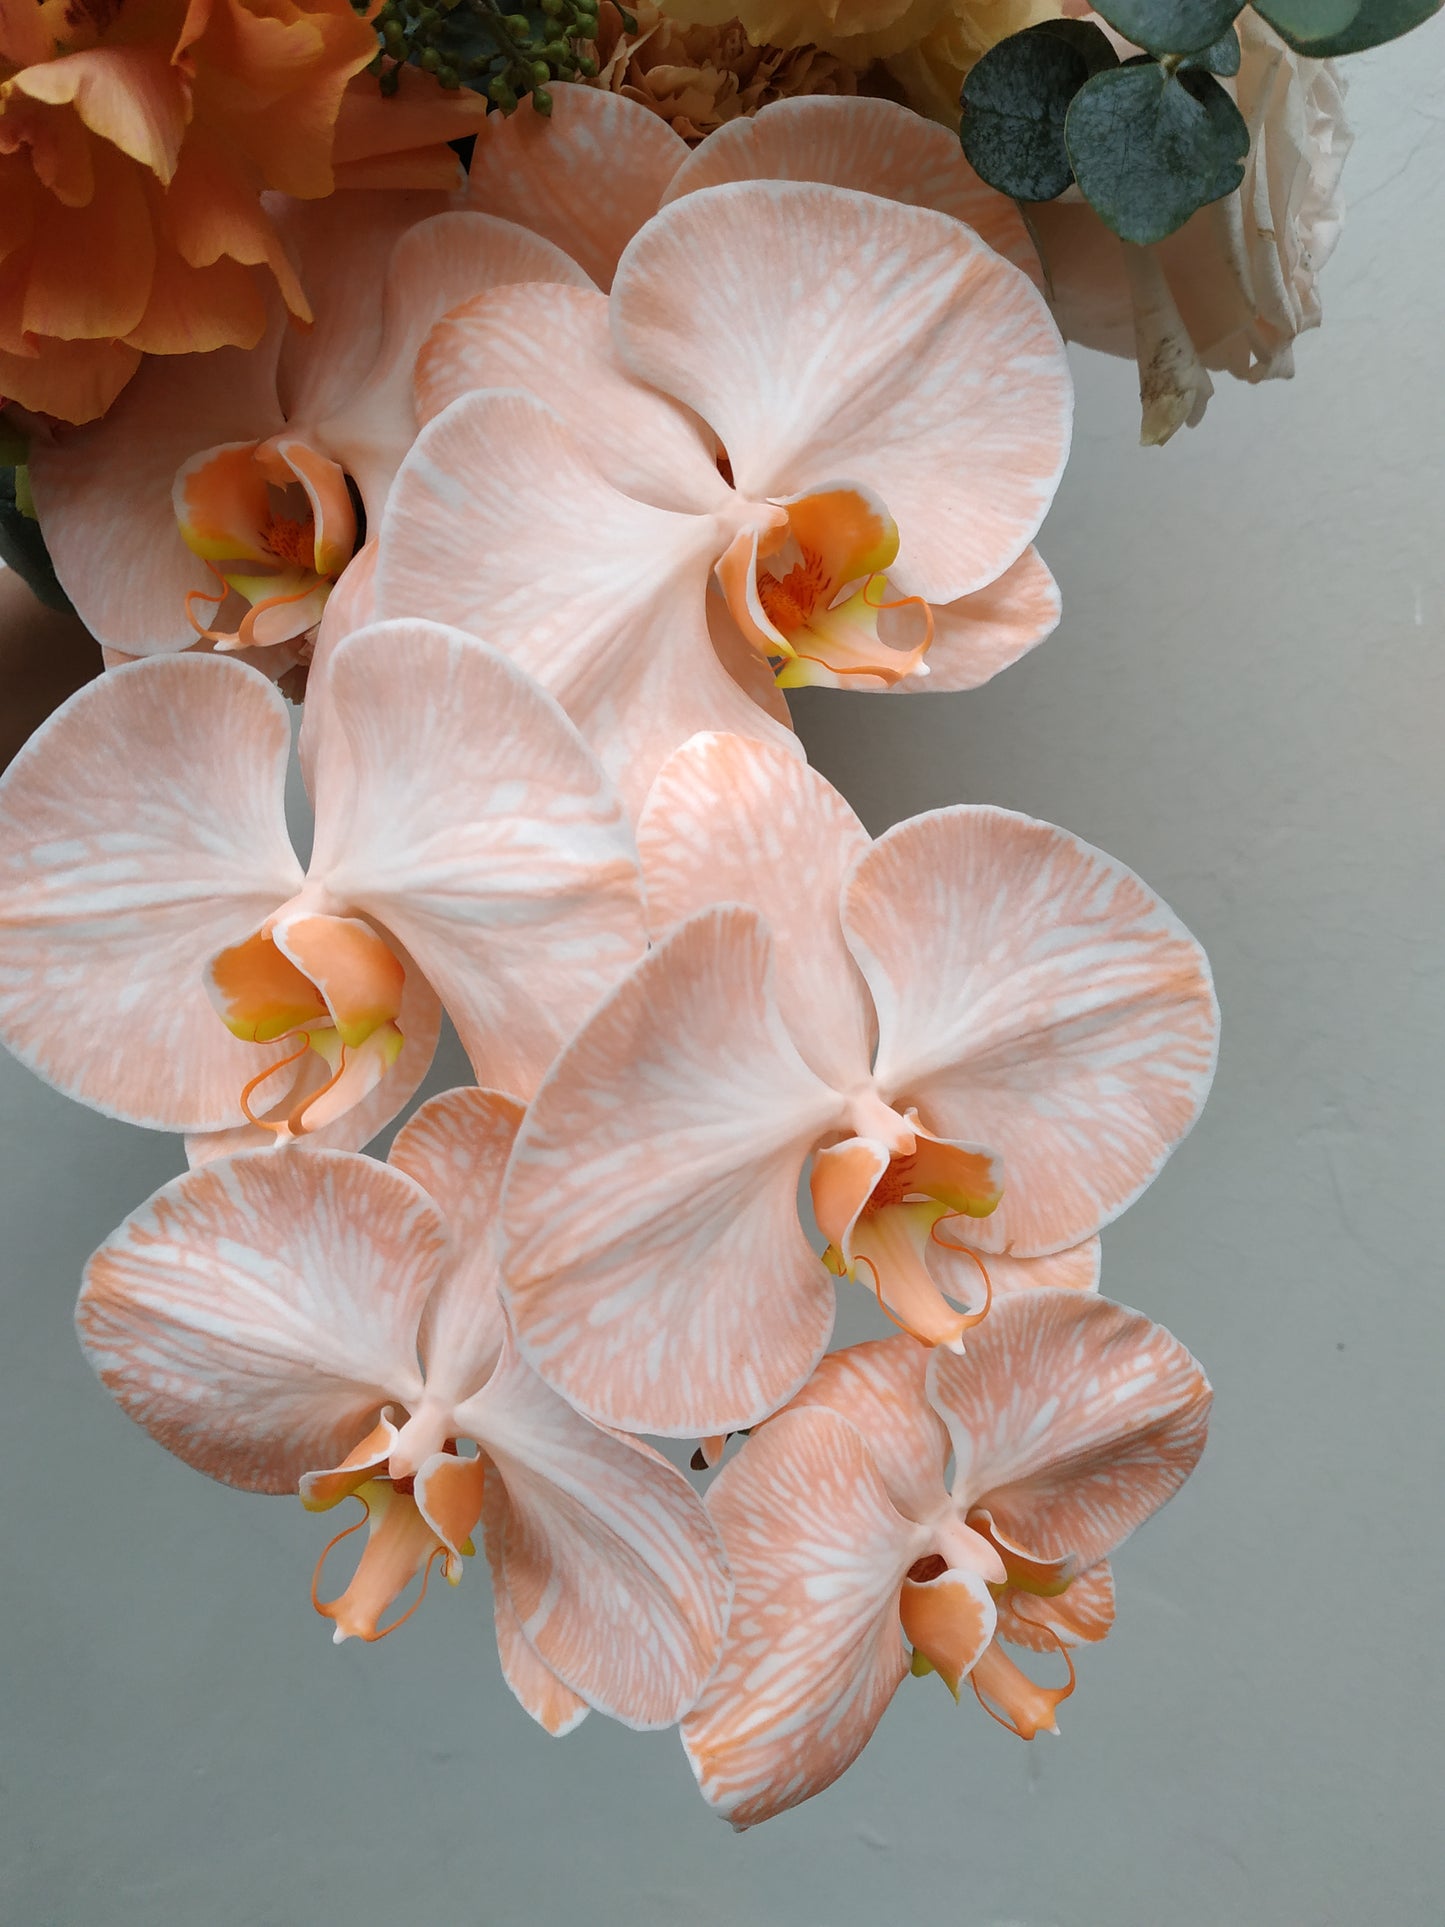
(1014, 103)
(22, 546)
(1373, 24)
(1177, 26)
(1149, 147)
(1085, 38)
(1301, 21)
(1221, 58)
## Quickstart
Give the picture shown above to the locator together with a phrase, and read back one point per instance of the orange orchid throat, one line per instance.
(331, 984)
(816, 615)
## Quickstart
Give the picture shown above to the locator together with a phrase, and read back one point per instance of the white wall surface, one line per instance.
(1245, 703)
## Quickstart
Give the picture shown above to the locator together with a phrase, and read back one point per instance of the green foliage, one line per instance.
(1369, 25)
(22, 546)
(1015, 100)
(1177, 26)
(1302, 20)
(1220, 57)
(502, 53)
(1149, 146)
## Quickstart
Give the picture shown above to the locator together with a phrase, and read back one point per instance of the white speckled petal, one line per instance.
(553, 1705)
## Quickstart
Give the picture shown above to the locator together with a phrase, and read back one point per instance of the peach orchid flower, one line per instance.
(1069, 1422)
(224, 494)
(165, 959)
(975, 996)
(330, 1324)
(859, 443)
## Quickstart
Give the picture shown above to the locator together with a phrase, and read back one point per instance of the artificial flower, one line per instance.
(700, 78)
(1069, 1421)
(861, 30)
(327, 1323)
(931, 70)
(974, 998)
(1235, 287)
(135, 142)
(164, 958)
(888, 464)
(219, 497)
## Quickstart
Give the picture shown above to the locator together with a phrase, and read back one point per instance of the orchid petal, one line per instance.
(879, 1388)
(1035, 996)
(103, 492)
(611, 1564)
(256, 1314)
(655, 1270)
(872, 146)
(556, 343)
(814, 1650)
(601, 598)
(586, 176)
(980, 634)
(1072, 1420)
(553, 1705)
(865, 340)
(142, 830)
(477, 826)
(953, 1262)
(350, 606)
(1082, 1614)
(950, 1619)
(456, 1147)
(728, 820)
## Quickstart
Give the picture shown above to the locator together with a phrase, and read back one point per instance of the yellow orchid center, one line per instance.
(881, 1225)
(815, 611)
(275, 524)
(330, 983)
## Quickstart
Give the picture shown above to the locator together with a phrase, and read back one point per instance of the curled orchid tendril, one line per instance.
(864, 669)
(330, 1547)
(964, 1251)
(265, 1124)
(1059, 1698)
(294, 1123)
(248, 621)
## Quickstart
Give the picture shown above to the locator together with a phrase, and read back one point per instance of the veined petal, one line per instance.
(1074, 1269)
(654, 1267)
(456, 1147)
(553, 1705)
(350, 606)
(556, 344)
(610, 1563)
(873, 146)
(879, 1388)
(602, 599)
(729, 820)
(256, 1314)
(814, 1649)
(1082, 1613)
(475, 824)
(435, 267)
(1036, 996)
(142, 830)
(1072, 1420)
(586, 176)
(847, 320)
(103, 492)
(980, 634)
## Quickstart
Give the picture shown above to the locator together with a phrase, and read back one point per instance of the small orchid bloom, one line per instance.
(855, 445)
(331, 1324)
(974, 1006)
(219, 498)
(165, 959)
(1069, 1422)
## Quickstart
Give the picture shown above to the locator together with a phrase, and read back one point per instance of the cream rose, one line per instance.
(1239, 281)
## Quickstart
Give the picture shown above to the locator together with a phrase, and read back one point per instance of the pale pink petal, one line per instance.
(103, 492)
(556, 343)
(749, 670)
(586, 176)
(982, 633)
(873, 146)
(1072, 1420)
(141, 831)
(478, 828)
(860, 342)
(655, 1270)
(879, 1388)
(1035, 996)
(554, 1706)
(609, 1561)
(256, 1314)
(1073, 1269)
(814, 1650)
(456, 1147)
(729, 820)
(435, 267)
(350, 606)
(600, 598)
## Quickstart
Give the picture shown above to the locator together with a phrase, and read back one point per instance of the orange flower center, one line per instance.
(293, 542)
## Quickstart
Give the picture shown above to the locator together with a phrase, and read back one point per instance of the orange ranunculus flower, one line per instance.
(136, 137)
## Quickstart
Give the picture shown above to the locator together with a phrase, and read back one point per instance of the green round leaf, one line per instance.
(1176, 26)
(1085, 38)
(1014, 103)
(1376, 22)
(1221, 58)
(1305, 20)
(1148, 147)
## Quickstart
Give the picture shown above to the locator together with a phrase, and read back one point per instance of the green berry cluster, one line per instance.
(475, 44)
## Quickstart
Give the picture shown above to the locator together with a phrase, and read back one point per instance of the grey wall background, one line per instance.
(1245, 703)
